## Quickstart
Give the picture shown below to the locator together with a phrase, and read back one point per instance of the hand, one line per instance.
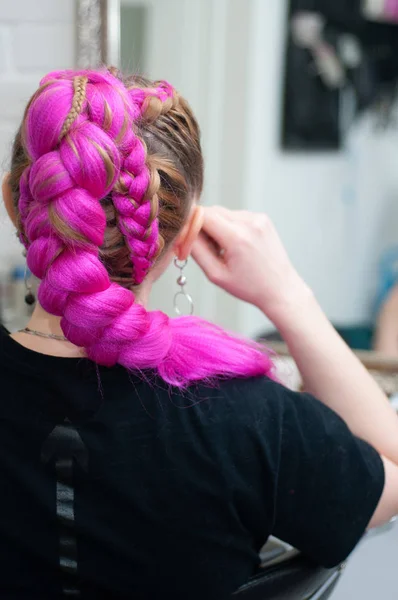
(241, 252)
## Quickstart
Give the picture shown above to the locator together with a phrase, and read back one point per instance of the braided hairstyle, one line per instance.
(103, 173)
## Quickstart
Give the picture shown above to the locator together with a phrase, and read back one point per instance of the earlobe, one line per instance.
(8, 199)
(190, 233)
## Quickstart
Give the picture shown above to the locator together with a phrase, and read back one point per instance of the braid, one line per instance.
(64, 247)
(81, 153)
(136, 202)
(135, 196)
(79, 88)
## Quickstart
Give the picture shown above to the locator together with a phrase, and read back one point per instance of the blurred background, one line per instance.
(297, 102)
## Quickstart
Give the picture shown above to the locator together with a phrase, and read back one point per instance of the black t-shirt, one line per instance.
(121, 487)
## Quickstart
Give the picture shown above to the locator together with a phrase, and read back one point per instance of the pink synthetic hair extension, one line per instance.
(80, 135)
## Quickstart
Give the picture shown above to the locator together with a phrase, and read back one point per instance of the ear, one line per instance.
(189, 233)
(8, 199)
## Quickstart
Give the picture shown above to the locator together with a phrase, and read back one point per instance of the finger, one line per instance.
(236, 216)
(206, 255)
(225, 212)
(212, 245)
(218, 227)
(240, 216)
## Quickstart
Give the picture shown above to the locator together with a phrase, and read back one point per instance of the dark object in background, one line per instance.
(311, 107)
(358, 337)
(295, 579)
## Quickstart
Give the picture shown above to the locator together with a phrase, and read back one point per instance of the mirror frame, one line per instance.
(97, 33)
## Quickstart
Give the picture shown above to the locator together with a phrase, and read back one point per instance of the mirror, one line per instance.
(331, 196)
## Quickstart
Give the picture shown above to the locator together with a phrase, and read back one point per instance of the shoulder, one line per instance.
(246, 392)
(246, 402)
(263, 408)
(236, 390)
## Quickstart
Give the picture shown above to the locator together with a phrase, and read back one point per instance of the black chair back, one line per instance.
(294, 579)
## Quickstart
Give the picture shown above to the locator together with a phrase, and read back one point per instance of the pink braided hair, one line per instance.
(79, 134)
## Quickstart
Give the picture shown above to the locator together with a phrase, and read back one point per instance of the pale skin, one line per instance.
(254, 267)
(386, 339)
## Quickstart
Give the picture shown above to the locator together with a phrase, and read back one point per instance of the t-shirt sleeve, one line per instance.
(324, 482)
(329, 481)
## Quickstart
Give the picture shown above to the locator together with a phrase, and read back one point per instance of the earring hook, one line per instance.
(182, 281)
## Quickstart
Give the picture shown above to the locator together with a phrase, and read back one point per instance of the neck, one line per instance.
(44, 322)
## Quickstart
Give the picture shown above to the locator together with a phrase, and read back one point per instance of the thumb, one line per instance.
(219, 227)
(206, 254)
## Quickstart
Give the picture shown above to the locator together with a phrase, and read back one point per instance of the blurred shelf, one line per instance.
(383, 368)
(373, 361)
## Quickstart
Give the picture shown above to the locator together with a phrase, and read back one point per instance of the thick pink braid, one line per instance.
(79, 135)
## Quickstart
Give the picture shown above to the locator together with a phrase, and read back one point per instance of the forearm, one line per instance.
(332, 373)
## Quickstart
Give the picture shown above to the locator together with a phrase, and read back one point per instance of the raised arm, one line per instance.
(254, 267)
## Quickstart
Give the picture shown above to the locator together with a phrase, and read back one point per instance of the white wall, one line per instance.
(36, 36)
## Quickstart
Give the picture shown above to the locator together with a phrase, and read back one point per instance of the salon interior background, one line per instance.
(330, 208)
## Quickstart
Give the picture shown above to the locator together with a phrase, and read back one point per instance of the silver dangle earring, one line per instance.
(30, 298)
(182, 294)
